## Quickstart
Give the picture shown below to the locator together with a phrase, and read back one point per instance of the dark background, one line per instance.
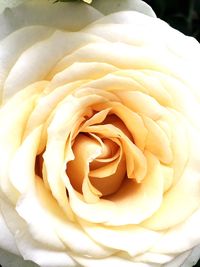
(183, 15)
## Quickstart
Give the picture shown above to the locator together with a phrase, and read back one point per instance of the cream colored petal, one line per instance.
(91, 193)
(42, 254)
(33, 62)
(151, 258)
(13, 45)
(56, 184)
(130, 238)
(171, 212)
(116, 261)
(185, 234)
(187, 187)
(105, 170)
(57, 138)
(157, 141)
(182, 95)
(85, 150)
(175, 43)
(109, 178)
(179, 260)
(22, 96)
(179, 141)
(114, 82)
(12, 122)
(116, 210)
(36, 221)
(135, 160)
(124, 56)
(111, 149)
(118, 5)
(81, 71)
(168, 175)
(47, 104)
(132, 121)
(83, 90)
(22, 167)
(33, 14)
(148, 84)
(97, 118)
(135, 34)
(50, 219)
(141, 103)
(7, 241)
(136, 202)
(95, 212)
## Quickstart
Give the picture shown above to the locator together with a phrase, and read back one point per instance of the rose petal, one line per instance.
(32, 63)
(107, 7)
(141, 103)
(16, 43)
(85, 150)
(157, 141)
(12, 260)
(9, 3)
(133, 80)
(14, 122)
(22, 169)
(46, 106)
(11, 20)
(187, 187)
(135, 160)
(120, 238)
(80, 71)
(131, 120)
(178, 261)
(151, 258)
(57, 141)
(193, 258)
(58, 229)
(144, 200)
(110, 261)
(7, 241)
(30, 248)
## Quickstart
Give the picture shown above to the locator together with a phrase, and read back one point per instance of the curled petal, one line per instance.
(108, 7)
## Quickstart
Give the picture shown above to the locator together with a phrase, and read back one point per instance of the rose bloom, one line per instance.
(99, 136)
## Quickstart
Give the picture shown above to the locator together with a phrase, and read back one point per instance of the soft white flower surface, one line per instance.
(9, 3)
(99, 136)
(13, 3)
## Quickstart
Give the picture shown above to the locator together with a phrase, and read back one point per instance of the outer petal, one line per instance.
(193, 258)
(32, 63)
(12, 260)
(9, 3)
(180, 260)
(111, 6)
(6, 239)
(60, 16)
(111, 261)
(30, 248)
(185, 234)
(15, 44)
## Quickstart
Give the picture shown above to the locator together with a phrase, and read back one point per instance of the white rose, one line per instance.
(99, 136)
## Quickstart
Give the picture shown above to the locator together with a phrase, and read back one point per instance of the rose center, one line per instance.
(98, 162)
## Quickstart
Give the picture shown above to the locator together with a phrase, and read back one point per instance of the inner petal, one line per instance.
(85, 150)
(110, 184)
